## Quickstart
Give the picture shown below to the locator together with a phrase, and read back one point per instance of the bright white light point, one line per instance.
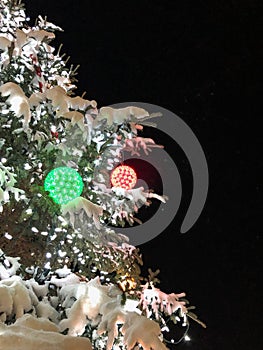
(3, 160)
(8, 236)
(29, 211)
(44, 233)
(34, 229)
(48, 255)
(61, 254)
(27, 166)
(187, 338)
(62, 220)
(47, 265)
(5, 111)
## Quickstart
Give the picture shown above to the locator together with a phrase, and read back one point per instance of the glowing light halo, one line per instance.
(124, 176)
(63, 184)
(173, 126)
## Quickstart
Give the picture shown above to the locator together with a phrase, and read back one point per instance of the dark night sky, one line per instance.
(203, 61)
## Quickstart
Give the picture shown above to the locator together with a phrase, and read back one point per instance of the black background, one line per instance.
(203, 61)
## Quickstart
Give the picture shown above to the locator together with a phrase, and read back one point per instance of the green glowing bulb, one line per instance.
(63, 184)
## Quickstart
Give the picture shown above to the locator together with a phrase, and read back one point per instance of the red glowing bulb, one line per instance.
(123, 176)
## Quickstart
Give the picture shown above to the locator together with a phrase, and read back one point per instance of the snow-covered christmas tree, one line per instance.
(68, 280)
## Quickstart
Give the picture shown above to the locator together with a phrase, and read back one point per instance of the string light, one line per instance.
(123, 176)
(63, 184)
(127, 283)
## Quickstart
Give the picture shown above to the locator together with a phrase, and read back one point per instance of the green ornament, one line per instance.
(63, 184)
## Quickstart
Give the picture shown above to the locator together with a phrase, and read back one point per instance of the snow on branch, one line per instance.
(44, 24)
(120, 115)
(30, 333)
(139, 329)
(135, 144)
(8, 265)
(137, 195)
(19, 103)
(78, 204)
(79, 304)
(154, 301)
(62, 103)
(7, 182)
(113, 314)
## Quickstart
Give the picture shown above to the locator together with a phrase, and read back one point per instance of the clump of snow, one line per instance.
(142, 330)
(29, 310)
(17, 99)
(112, 315)
(153, 300)
(30, 317)
(88, 299)
(29, 333)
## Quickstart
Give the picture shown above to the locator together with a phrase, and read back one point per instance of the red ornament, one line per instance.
(40, 86)
(54, 134)
(37, 70)
(123, 176)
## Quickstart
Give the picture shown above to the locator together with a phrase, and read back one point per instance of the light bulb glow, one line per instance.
(63, 184)
(124, 176)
